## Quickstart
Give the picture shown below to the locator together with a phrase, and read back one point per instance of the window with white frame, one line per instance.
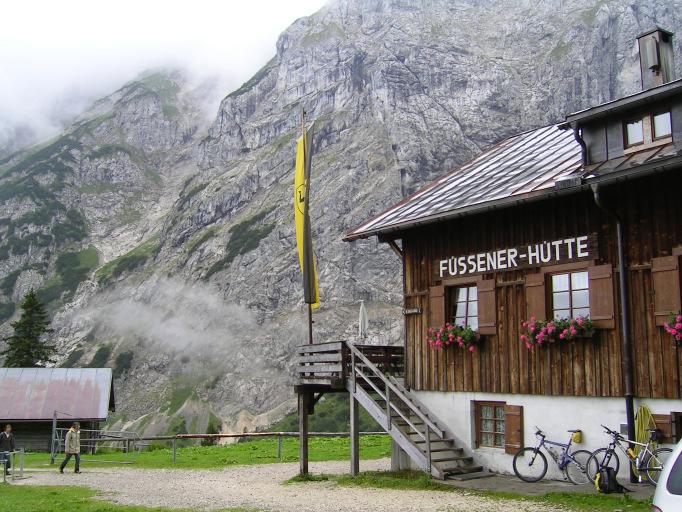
(463, 302)
(570, 295)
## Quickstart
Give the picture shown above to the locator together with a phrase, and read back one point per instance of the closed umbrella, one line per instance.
(363, 321)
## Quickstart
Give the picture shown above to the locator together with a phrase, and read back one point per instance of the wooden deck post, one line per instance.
(354, 437)
(303, 402)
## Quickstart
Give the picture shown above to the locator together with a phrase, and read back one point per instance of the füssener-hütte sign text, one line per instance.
(553, 252)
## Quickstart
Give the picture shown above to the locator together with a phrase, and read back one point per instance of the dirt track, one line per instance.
(260, 487)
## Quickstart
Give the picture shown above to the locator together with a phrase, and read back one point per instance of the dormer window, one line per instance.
(647, 130)
(662, 125)
(634, 132)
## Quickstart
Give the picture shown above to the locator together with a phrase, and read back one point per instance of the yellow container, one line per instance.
(577, 437)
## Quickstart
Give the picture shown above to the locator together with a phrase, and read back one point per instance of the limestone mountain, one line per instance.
(166, 247)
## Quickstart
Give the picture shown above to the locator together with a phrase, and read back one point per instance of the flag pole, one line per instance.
(307, 202)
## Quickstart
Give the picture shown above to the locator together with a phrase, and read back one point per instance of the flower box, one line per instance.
(451, 335)
(543, 332)
(674, 327)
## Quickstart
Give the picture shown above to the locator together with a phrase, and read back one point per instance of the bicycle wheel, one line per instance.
(576, 469)
(654, 464)
(597, 460)
(530, 465)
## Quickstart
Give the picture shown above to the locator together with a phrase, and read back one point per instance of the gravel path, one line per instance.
(259, 486)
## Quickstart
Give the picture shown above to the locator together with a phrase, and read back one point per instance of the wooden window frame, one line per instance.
(642, 119)
(449, 303)
(487, 307)
(478, 405)
(569, 290)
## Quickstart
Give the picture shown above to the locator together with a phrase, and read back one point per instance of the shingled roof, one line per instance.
(34, 394)
(521, 166)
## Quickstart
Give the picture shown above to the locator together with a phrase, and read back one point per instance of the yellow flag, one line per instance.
(306, 258)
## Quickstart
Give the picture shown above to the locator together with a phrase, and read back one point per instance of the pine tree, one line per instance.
(25, 349)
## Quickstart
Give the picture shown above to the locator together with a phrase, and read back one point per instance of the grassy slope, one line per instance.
(261, 451)
(15, 498)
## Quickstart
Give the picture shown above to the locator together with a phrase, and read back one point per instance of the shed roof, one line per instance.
(34, 394)
(518, 167)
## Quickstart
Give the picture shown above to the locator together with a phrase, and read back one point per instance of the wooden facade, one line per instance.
(652, 216)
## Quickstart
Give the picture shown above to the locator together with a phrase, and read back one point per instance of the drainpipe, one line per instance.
(626, 345)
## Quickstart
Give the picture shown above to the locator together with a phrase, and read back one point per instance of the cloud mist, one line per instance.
(57, 57)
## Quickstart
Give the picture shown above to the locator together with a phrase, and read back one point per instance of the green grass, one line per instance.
(73, 358)
(245, 236)
(412, 480)
(101, 357)
(74, 499)
(260, 451)
(129, 261)
(72, 268)
(124, 361)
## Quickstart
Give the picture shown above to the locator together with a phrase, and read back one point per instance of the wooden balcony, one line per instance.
(326, 366)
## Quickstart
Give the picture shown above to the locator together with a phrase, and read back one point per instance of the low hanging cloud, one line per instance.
(57, 57)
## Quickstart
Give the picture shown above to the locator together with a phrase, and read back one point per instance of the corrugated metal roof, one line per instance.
(515, 167)
(35, 393)
(645, 156)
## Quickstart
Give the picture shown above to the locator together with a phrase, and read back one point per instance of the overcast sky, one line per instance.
(56, 55)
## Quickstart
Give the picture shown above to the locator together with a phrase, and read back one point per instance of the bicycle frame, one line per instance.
(565, 451)
(636, 463)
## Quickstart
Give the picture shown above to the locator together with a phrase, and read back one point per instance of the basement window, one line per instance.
(662, 125)
(570, 295)
(490, 425)
(634, 132)
(463, 302)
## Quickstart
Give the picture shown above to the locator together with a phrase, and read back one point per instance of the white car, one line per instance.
(668, 496)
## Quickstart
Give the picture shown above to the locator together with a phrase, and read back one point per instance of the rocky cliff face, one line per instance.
(191, 290)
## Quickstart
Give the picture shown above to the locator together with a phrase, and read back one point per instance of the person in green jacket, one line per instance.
(72, 447)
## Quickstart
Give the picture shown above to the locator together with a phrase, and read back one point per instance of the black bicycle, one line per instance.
(530, 464)
(649, 461)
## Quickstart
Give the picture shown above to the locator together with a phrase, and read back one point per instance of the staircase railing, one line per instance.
(389, 392)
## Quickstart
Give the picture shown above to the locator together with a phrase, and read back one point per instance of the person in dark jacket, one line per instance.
(6, 446)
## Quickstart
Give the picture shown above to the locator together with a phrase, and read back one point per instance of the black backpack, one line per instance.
(606, 482)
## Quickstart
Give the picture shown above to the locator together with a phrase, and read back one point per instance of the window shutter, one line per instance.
(513, 428)
(487, 312)
(602, 311)
(436, 306)
(665, 275)
(535, 296)
(664, 422)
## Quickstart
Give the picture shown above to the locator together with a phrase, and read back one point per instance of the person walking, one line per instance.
(6, 446)
(72, 447)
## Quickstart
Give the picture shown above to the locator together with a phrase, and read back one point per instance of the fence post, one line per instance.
(279, 446)
(175, 448)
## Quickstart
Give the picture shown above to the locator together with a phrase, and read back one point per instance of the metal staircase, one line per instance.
(409, 423)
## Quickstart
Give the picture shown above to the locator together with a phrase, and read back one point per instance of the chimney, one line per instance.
(656, 60)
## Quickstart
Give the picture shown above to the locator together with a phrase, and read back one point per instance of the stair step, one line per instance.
(437, 440)
(454, 464)
(461, 477)
(446, 449)
(447, 458)
(462, 470)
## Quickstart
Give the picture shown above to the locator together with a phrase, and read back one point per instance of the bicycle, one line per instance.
(648, 460)
(530, 464)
